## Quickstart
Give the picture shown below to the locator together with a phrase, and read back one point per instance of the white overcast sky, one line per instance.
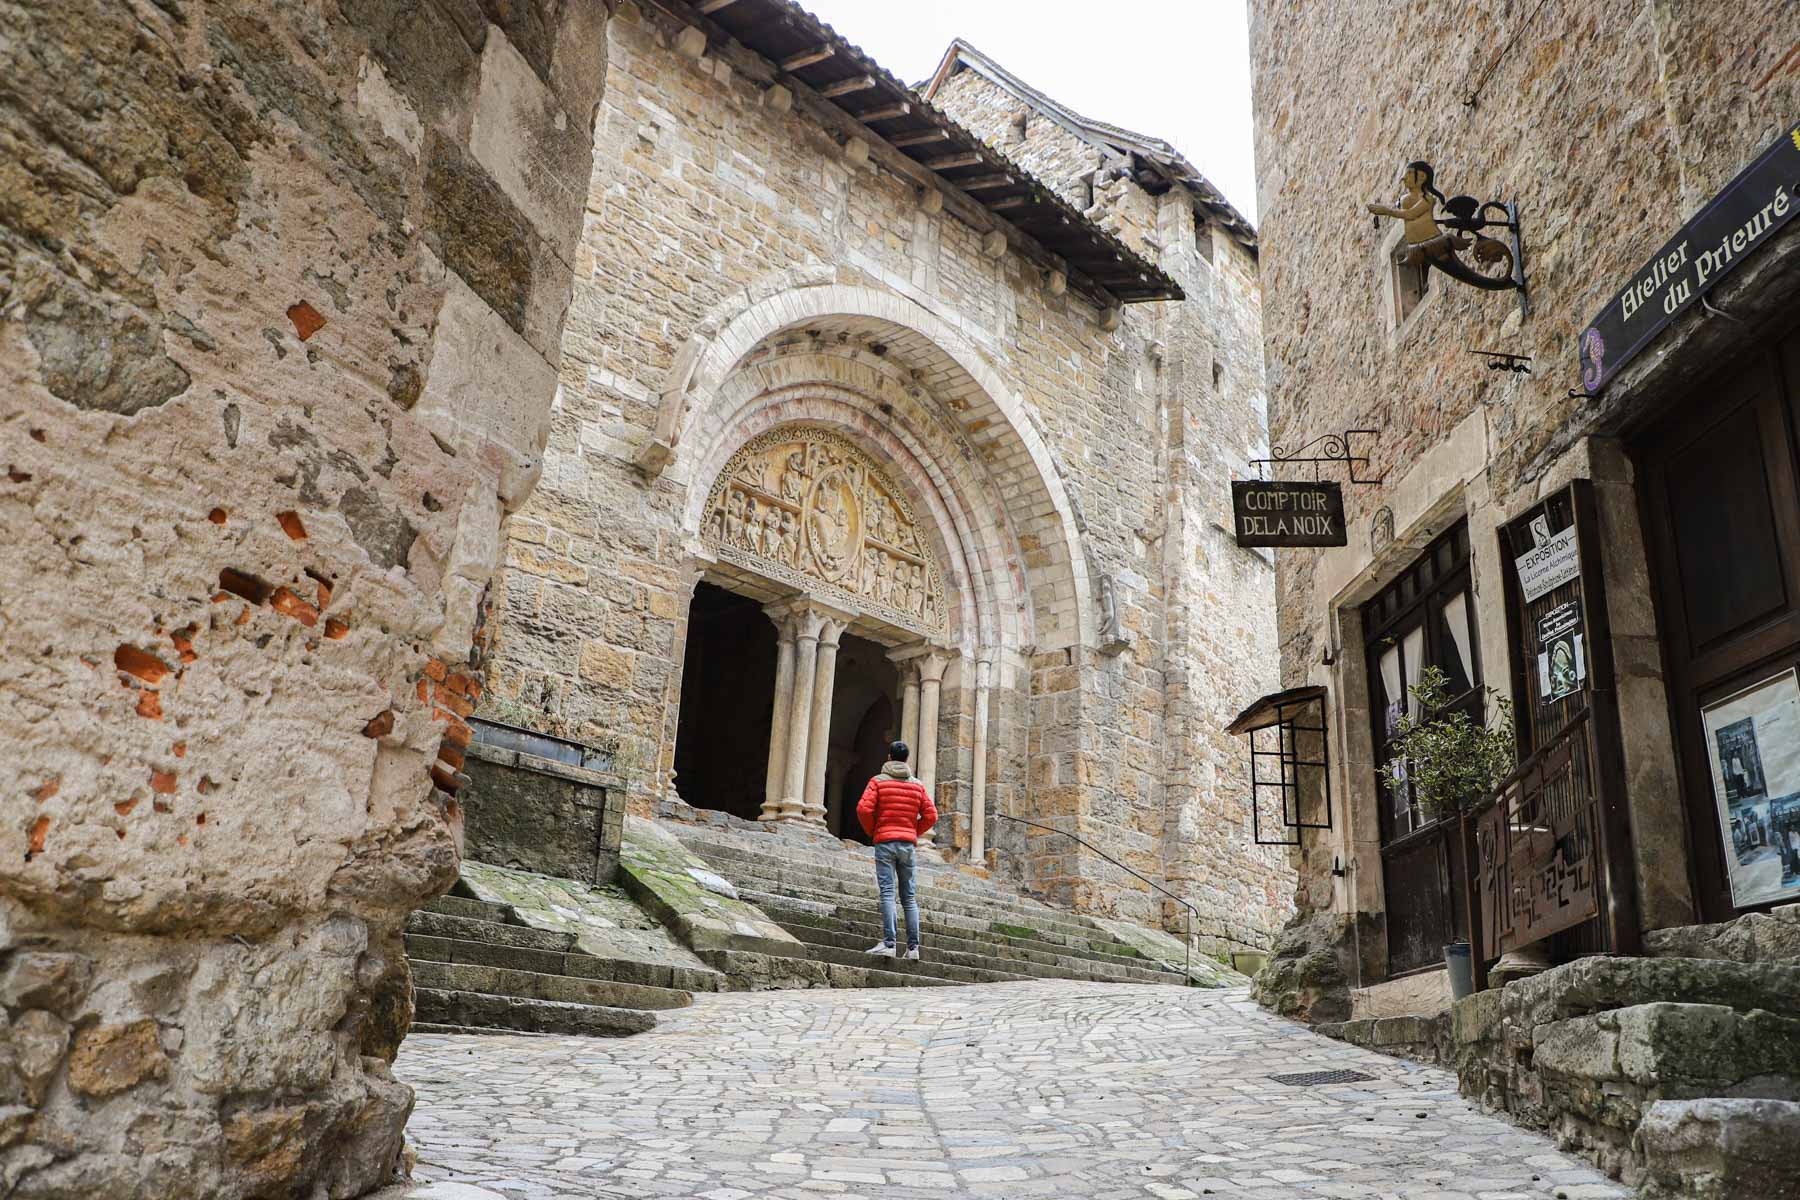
(1174, 69)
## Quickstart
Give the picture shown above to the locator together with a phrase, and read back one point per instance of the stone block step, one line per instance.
(423, 948)
(473, 909)
(758, 972)
(1600, 982)
(758, 869)
(1050, 926)
(482, 1010)
(980, 957)
(1670, 1052)
(494, 933)
(471, 1030)
(1080, 961)
(859, 866)
(932, 964)
(534, 985)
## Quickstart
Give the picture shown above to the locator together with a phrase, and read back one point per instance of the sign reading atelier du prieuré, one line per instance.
(1288, 514)
(1732, 225)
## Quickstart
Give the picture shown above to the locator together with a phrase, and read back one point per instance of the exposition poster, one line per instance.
(1753, 741)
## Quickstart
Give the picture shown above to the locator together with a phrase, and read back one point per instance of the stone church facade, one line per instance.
(844, 451)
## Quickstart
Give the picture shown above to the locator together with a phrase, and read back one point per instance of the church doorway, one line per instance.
(727, 703)
(864, 719)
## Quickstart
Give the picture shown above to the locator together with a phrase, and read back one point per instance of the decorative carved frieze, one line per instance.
(807, 507)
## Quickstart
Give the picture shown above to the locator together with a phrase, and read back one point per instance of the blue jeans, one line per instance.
(894, 860)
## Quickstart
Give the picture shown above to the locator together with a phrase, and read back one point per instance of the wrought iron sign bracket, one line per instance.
(1331, 447)
(1498, 360)
(1439, 228)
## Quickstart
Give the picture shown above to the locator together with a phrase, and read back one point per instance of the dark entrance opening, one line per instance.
(864, 719)
(727, 701)
(1720, 490)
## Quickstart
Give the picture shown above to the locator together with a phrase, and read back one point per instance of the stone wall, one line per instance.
(743, 265)
(282, 291)
(1609, 122)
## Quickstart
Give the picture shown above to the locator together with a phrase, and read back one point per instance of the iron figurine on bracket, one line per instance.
(1439, 229)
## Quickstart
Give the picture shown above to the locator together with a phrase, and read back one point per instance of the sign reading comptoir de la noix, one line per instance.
(1734, 223)
(1288, 514)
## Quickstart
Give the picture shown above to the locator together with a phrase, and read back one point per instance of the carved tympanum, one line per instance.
(807, 507)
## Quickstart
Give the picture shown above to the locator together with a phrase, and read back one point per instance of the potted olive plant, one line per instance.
(1450, 763)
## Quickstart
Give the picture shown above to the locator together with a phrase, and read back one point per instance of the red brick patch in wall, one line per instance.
(140, 664)
(40, 829)
(290, 525)
(288, 604)
(307, 320)
(216, 516)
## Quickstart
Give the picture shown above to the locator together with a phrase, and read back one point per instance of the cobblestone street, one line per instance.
(1026, 1089)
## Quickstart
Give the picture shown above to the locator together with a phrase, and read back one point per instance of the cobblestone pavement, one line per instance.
(1051, 1089)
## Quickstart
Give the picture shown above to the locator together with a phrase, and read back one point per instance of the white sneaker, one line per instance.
(911, 955)
(881, 950)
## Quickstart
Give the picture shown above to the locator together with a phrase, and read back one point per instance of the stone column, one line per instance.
(978, 778)
(931, 676)
(784, 706)
(909, 703)
(818, 742)
(808, 625)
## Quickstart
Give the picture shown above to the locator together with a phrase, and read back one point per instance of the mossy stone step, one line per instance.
(455, 1008)
(534, 985)
(443, 925)
(421, 948)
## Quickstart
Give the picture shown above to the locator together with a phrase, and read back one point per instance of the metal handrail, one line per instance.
(1192, 912)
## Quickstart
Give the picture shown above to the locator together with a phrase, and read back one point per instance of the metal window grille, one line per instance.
(1290, 765)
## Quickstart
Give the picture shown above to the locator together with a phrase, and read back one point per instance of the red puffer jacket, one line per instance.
(895, 807)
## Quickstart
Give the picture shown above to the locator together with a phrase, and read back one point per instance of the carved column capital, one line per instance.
(932, 665)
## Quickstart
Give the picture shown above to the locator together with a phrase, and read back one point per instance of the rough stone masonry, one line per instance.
(281, 294)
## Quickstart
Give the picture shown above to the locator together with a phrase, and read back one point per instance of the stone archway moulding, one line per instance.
(720, 342)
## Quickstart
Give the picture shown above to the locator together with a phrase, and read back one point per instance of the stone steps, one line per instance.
(438, 1008)
(992, 951)
(537, 985)
(839, 885)
(989, 941)
(478, 951)
(758, 972)
(960, 952)
(825, 946)
(1587, 1049)
(427, 923)
(845, 880)
(973, 929)
(476, 966)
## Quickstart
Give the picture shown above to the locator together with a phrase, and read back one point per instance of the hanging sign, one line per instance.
(1562, 661)
(1288, 514)
(1709, 247)
(1548, 565)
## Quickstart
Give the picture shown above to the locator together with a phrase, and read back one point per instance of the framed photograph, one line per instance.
(1753, 742)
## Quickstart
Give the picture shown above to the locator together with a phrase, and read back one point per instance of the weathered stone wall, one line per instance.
(281, 294)
(1609, 122)
(773, 277)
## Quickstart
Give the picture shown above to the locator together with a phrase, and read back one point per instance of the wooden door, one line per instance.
(1424, 618)
(1718, 490)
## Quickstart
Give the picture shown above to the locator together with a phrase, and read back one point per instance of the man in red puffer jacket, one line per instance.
(895, 811)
